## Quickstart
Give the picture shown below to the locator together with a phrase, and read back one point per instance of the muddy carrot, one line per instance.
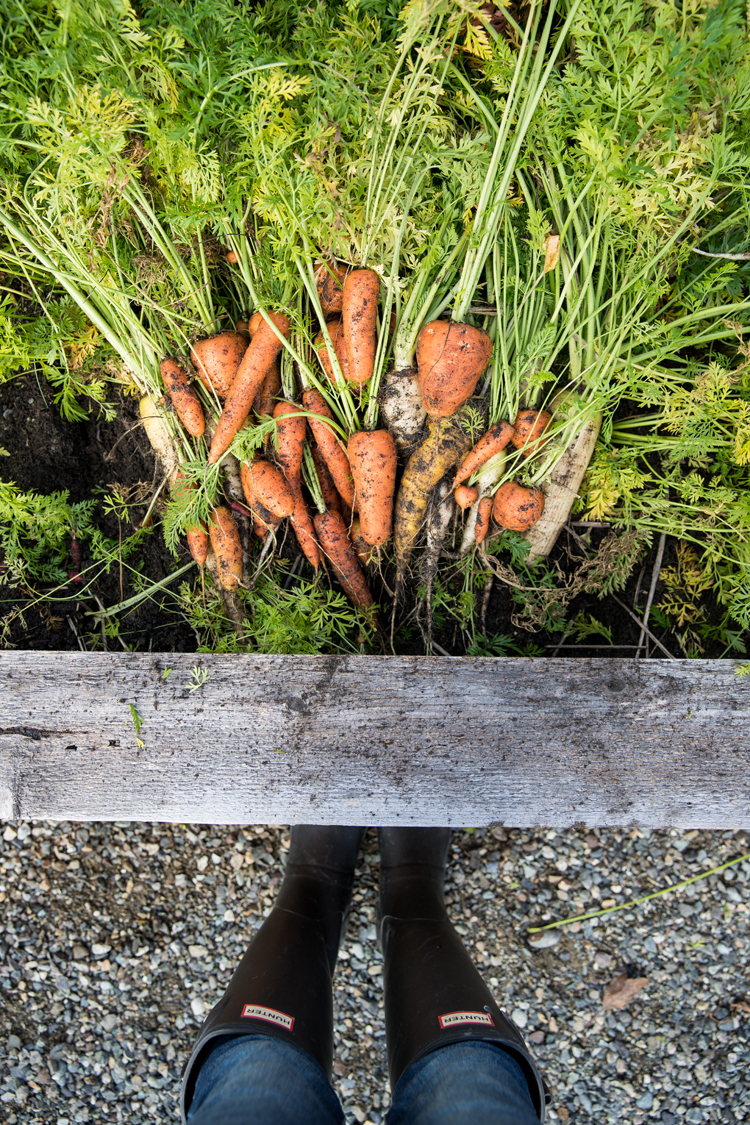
(225, 541)
(334, 539)
(261, 353)
(360, 317)
(494, 441)
(372, 456)
(450, 359)
(330, 446)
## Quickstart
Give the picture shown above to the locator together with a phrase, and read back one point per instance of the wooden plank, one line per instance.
(363, 740)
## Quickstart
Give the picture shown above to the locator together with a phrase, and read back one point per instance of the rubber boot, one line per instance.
(434, 995)
(282, 986)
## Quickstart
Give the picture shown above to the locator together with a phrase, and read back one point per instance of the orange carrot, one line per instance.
(290, 433)
(484, 511)
(243, 327)
(529, 429)
(494, 441)
(263, 402)
(336, 332)
(360, 317)
(264, 347)
(331, 498)
(372, 456)
(450, 359)
(334, 539)
(263, 522)
(216, 360)
(254, 323)
(465, 496)
(264, 484)
(184, 399)
(225, 541)
(197, 538)
(517, 507)
(304, 529)
(330, 446)
(329, 281)
(232, 257)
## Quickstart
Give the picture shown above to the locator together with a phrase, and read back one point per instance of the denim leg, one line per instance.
(260, 1080)
(463, 1084)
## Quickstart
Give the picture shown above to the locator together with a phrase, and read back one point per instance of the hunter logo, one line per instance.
(453, 1018)
(270, 1015)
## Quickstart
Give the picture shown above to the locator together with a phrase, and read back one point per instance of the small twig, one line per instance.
(150, 508)
(81, 645)
(652, 590)
(644, 898)
(297, 562)
(440, 650)
(589, 523)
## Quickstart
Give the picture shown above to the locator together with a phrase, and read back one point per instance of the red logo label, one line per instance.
(270, 1015)
(453, 1018)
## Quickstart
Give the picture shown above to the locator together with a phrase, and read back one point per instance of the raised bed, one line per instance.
(367, 740)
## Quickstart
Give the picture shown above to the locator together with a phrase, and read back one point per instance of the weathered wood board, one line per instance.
(363, 740)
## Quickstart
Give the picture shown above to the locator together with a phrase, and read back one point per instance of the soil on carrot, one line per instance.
(47, 453)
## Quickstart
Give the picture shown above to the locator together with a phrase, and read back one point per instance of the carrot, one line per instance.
(267, 392)
(372, 456)
(290, 435)
(263, 483)
(360, 317)
(216, 360)
(450, 359)
(291, 444)
(184, 399)
(445, 444)
(494, 441)
(331, 497)
(517, 507)
(365, 553)
(243, 327)
(254, 323)
(401, 407)
(334, 539)
(162, 442)
(197, 538)
(466, 496)
(225, 541)
(336, 332)
(264, 347)
(484, 511)
(304, 529)
(231, 257)
(329, 281)
(330, 446)
(529, 428)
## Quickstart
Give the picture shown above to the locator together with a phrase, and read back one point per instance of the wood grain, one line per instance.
(364, 740)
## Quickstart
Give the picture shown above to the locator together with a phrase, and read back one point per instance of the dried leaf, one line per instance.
(621, 990)
(739, 1006)
(551, 252)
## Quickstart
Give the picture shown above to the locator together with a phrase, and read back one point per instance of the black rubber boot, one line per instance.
(434, 995)
(282, 986)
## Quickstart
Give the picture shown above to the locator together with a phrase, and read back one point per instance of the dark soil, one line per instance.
(47, 453)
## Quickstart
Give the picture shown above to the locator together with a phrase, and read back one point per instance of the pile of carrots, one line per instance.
(357, 477)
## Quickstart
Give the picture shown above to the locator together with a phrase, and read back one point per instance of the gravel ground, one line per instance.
(116, 939)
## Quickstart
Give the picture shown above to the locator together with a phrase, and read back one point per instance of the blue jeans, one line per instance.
(259, 1080)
